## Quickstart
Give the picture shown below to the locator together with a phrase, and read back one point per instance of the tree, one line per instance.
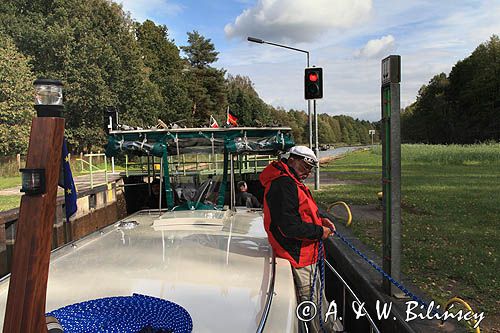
(325, 131)
(200, 51)
(165, 65)
(207, 89)
(460, 108)
(245, 102)
(90, 46)
(16, 98)
(474, 93)
(432, 110)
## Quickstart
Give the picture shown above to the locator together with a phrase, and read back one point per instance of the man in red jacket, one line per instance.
(294, 225)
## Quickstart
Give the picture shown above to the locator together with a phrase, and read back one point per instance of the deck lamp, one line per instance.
(33, 181)
(48, 98)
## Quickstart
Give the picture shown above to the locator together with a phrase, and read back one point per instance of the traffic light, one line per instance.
(313, 83)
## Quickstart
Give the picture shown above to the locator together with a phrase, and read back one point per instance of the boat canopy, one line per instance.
(184, 141)
(239, 140)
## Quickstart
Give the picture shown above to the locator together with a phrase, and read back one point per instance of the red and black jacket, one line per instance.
(291, 216)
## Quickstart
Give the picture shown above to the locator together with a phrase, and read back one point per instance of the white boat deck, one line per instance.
(217, 265)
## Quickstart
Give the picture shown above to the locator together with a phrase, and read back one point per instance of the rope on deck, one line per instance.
(124, 314)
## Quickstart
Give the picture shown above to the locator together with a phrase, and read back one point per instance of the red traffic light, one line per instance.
(313, 83)
(313, 77)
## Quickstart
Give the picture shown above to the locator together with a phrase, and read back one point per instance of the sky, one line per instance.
(347, 38)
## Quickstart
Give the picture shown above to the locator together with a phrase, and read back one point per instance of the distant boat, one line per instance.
(325, 147)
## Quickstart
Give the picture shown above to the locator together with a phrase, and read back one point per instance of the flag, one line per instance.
(231, 118)
(213, 122)
(67, 183)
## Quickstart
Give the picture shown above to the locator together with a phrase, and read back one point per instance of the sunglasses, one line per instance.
(306, 166)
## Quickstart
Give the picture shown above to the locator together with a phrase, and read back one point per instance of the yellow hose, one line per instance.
(466, 305)
(349, 215)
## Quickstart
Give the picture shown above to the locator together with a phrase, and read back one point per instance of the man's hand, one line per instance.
(326, 232)
(327, 223)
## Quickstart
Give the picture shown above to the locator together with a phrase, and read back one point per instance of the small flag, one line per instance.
(67, 183)
(213, 122)
(231, 118)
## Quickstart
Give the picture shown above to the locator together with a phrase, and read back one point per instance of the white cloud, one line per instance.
(297, 20)
(347, 38)
(376, 48)
(148, 9)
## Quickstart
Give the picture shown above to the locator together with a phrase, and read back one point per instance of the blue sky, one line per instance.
(348, 38)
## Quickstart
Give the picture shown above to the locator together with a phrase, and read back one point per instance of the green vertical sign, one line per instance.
(391, 170)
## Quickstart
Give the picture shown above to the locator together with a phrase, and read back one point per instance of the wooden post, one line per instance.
(18, 157)
(25, 310)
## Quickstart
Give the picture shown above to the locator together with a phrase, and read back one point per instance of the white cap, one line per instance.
(306, 153)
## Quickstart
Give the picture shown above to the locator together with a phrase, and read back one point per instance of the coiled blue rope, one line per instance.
(124, 314)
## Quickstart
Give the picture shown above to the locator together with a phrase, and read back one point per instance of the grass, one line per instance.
(8, 182)
(9, 201)
(451, 217)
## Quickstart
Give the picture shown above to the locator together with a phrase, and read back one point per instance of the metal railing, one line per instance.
(204, 164)
(373, 327)
(270, 294)
(92, 168)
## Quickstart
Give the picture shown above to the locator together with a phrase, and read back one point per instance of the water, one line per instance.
(339, 151)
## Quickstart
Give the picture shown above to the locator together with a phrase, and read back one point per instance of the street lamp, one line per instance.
(260, 41)
(309, 118)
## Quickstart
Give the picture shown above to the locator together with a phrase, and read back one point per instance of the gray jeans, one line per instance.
(303, 278)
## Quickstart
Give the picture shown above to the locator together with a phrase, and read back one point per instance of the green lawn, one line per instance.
(8, 182)
(9, 201)
(451, 217)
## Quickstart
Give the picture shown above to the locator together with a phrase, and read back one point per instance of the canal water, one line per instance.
(339, 151)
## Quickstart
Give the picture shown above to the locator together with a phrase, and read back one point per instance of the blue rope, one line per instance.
(384, 274)
(320, 264)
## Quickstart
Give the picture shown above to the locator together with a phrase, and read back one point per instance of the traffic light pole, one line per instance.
(309, 118)
(316, 147)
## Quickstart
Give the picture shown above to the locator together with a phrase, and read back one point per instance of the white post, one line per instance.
(90, 168)
(106, 169)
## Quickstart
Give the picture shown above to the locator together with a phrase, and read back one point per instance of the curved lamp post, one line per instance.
(260, 41)
(309, 118)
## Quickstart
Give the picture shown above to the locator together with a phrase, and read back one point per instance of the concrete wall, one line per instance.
(367, 284)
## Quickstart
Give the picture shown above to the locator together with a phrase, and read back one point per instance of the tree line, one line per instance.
(462, 107)
(105, 58)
